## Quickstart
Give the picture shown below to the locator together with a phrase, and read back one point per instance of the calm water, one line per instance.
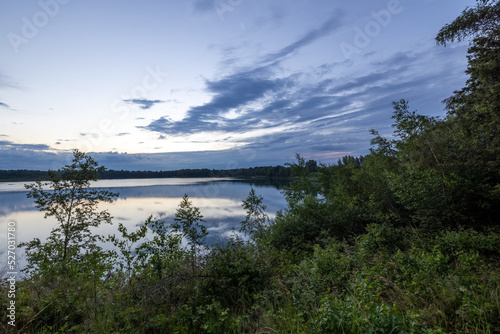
(218, 199)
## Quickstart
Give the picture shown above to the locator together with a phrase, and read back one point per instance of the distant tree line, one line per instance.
(23, 175)
(260, 172)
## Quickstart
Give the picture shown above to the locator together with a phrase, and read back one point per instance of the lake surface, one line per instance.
(219, 201)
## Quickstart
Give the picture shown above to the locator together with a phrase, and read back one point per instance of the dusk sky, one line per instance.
(164, 85)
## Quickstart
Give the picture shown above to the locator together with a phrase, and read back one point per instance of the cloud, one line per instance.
(123, 134)
(5, 105)
(7, 82)
(267, 112)
(231, 92)
(321, 115)
(330, 25)
(258, 154)
(267, 103)
(14, 158)
(203, 6)
(144, 103)
(238, 91)
(11, 145)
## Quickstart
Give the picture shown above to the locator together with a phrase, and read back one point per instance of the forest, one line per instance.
(403, 240)
(252, 172)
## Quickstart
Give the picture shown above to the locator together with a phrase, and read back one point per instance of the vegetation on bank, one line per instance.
(404, 240)
(252, 172)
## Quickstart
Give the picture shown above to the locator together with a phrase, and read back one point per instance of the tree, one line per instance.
(70, 265)
(476, 106)
(140, 252)
(163, 248)
(484, 20)
(68, 198)
(312, 166)
(303, 186)
(474, 111)
(188, 221)
(256, 218)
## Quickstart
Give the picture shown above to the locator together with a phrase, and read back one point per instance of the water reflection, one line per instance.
(219, 202)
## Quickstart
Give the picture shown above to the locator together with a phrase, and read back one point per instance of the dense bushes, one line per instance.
(399, 280)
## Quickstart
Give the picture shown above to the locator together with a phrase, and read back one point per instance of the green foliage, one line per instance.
(301, 226)
(340, 202)
(128, 261)
(304, 184)
(479, 21)
(400, 281)
(162, 250)
(140, 254)
(188, 221)
(409, 124)
(237, 278)
(263, 172)
(474, 109)
(73, 204)
(435, 180)
(256, 218)
(361, 311)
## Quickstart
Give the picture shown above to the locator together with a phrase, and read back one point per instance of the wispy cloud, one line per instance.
(273, 80)
(329, 26)
(36, 147)
(144, 103)
(321, 113)
(7, 82)
(14, 158)
(238, 91)
(203, 6)
(230, 93)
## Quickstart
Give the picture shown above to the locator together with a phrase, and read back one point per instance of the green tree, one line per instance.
(163, 248)
(256, 218)
(70, 266)
(422, 176)
(188, 220)
(476, 106)
(474, 110)
(67, 196)
(304, 183)
(128, 245)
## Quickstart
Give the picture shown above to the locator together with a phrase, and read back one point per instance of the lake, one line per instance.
(219, 201)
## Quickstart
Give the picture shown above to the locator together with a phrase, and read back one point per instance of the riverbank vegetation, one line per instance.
(403, 240)
(282, 172)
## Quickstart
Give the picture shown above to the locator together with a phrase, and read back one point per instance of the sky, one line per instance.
(170, 84)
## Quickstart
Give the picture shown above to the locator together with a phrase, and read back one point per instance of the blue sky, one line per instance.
(164, 84)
